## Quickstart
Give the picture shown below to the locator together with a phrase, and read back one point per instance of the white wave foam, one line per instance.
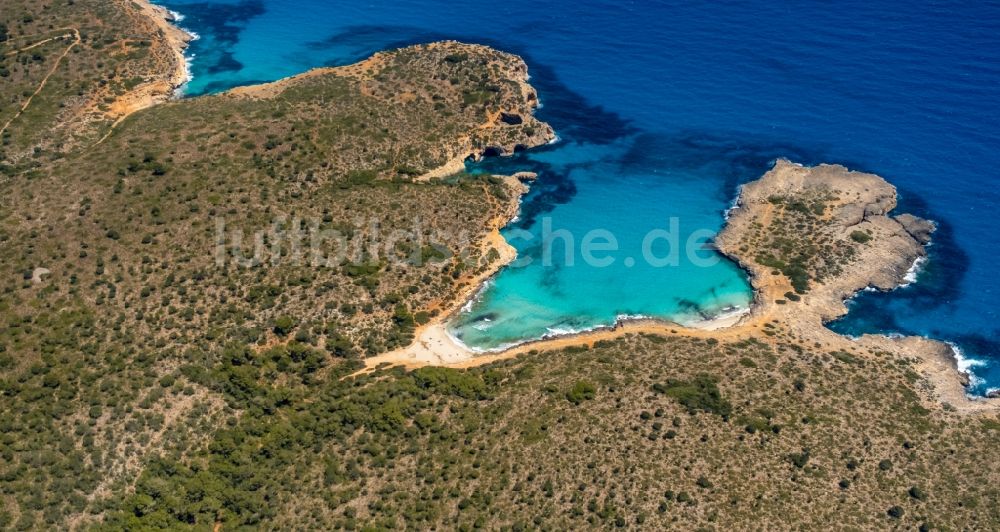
(563, 331)
(520, 202)
(551, 332)
(911, 274)
(483, 324)
(734, 204)
(175, 18)
(554, 332)
(188, 76)
(621, 318)
(965, 365)
(477, 296)
(731, 311)
(909, 278)
(554, 140)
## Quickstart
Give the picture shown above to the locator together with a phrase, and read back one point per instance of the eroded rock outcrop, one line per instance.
(830, 223)
(918, 228)
(465, 101)
(811, 238)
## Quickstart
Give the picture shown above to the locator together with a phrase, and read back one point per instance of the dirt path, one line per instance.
(27, 103)
(112, 129)
(142, 97)
(37, 44)
(10, 41)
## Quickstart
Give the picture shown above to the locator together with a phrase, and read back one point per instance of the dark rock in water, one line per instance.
(918, 228)
(511, 119)
(993, 394)
(489, 316)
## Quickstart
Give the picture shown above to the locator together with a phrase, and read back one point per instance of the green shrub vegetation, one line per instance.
(149, 383)
(698, 394)
(581, 391)
(797, 244)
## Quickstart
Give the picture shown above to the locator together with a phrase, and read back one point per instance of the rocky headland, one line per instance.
(507, 124)
(150, 383)
(810, 238)
(172, 42)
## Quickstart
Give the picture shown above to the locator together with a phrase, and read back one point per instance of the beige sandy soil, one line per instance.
(864, 202)
(175, 72)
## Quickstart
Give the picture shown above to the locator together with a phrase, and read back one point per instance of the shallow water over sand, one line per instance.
(602, 250)
(656, 95)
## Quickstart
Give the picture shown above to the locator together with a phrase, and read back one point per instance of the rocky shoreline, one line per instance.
(508, 125)
(855, 217)
(175, 74)
(854, 204)
(896, 243)
(432, 344)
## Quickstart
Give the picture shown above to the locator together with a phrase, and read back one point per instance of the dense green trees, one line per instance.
(283, 325)
(699, 394)
(581, 391)
(244, 463)
(294, 444)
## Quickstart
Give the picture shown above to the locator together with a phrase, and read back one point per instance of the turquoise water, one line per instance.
(557, 287)
(687, 100)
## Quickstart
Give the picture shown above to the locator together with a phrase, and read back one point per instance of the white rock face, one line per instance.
(37, 273)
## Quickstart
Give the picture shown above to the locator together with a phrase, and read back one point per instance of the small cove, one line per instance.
(652, 96)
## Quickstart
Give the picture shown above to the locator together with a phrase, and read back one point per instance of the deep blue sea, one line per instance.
(664, 108)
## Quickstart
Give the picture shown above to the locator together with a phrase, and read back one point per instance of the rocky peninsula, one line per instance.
(153, 377)
(810, 238)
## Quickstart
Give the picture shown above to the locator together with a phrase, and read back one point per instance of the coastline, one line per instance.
(884, 268)
(175, 75)
(434, 346)
(177, 39)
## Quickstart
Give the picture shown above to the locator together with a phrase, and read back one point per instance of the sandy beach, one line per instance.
(883, 268)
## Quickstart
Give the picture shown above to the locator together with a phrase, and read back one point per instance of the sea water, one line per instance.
(664, 108)
(606, 253)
